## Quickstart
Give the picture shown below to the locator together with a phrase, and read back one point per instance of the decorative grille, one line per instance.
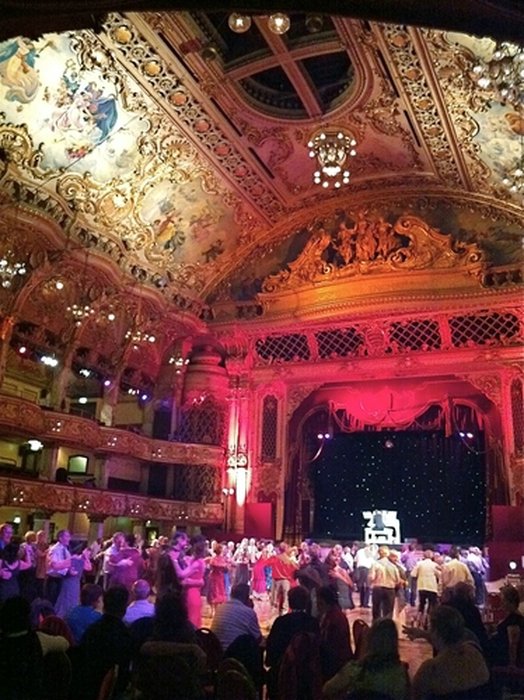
(197, 483)
(415, 335)
(269, 429)
(517, 412)
(202, 422)
(288, 348)
(482, 330)
(339, 342)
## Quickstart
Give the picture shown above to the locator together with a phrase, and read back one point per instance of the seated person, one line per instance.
(140, 606)
(506, 646)
(335, 642)
(379, 671)
(171, 622)
(236, 617)
(284, 628)
(22, 651)
(82, 616)
(459, 664)
(106, 643)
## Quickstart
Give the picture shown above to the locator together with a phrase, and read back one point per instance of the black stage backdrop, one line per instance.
(436, 484)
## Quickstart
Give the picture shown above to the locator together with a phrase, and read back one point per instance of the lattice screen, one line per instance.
(517, 412)
(338, 342)
(421, 334)
(289, 348)
(483, 329)
(202, 423)
(198, 483)
(268, 448)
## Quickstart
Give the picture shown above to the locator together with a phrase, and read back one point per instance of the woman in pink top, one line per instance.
(258, 581)
(190, 571)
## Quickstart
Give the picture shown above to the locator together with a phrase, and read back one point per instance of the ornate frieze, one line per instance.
(51, 497)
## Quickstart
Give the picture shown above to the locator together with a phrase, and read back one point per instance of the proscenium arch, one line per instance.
(296, 497)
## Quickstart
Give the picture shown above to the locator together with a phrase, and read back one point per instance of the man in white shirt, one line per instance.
(58, 564)
(364, 560)
(141, 606)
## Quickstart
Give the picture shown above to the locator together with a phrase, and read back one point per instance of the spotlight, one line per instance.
(327, 436)
(461, 434)
(389, 444)
(107, 382)
(22, 349)
(314, 23)
(82, 400)
(111, 317)
(239, 23)
(278, 23)
(144, 397)
(320, 436)
(59, 284)
(512, 565)
(469, 435)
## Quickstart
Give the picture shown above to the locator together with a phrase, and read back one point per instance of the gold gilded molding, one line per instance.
(98, 503)
(360, 246)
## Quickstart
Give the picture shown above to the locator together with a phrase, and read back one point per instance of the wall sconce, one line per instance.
(135, 509)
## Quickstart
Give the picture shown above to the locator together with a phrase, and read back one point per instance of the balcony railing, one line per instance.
(49, 497)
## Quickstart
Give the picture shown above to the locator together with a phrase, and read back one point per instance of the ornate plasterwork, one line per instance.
(359, 246)
(489, 384)
(404, 49)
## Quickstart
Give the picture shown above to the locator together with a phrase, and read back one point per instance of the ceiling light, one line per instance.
(332, 150)
(314, 23)
(82, 399)
(504, 72)
(111, 316)
(49, 360)
(239, 23)
(22, 349)
(9, 269)
(278, 23)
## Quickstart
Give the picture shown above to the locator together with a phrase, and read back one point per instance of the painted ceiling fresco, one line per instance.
(156, 147)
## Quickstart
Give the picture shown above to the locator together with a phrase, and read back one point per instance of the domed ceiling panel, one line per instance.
(148, 138)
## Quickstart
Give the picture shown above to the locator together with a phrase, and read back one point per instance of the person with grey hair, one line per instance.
(140, 606)
(459, 665)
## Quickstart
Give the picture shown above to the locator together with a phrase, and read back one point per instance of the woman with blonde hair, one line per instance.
(379, 671)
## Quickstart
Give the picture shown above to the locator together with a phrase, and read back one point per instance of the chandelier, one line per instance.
(514, 178)
(504, 73)
(9, 270)
(332, 150)
(80, 312)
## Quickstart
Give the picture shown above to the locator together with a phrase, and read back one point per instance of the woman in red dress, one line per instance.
(216, 593)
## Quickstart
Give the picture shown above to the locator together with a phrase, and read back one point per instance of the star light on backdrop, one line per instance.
(436, 484)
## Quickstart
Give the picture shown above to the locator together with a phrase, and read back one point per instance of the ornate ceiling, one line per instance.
(170, 155)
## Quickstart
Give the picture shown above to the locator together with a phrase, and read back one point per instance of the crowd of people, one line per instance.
(99, 603)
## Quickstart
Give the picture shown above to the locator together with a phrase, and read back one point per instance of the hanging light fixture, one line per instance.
(514, 178)
(239, 23)
(278, 23)
(82, 311)
(504, 73)
(10, 269)
(332, 149)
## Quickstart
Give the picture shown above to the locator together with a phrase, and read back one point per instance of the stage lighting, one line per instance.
(469, 435)
(512, 565)
(389, 444)
(327, 436)
(320, 436)
(461, 434)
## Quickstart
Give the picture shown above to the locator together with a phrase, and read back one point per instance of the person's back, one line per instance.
(458, 666)
(235, 617)
(105, 643)
(21, 655)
